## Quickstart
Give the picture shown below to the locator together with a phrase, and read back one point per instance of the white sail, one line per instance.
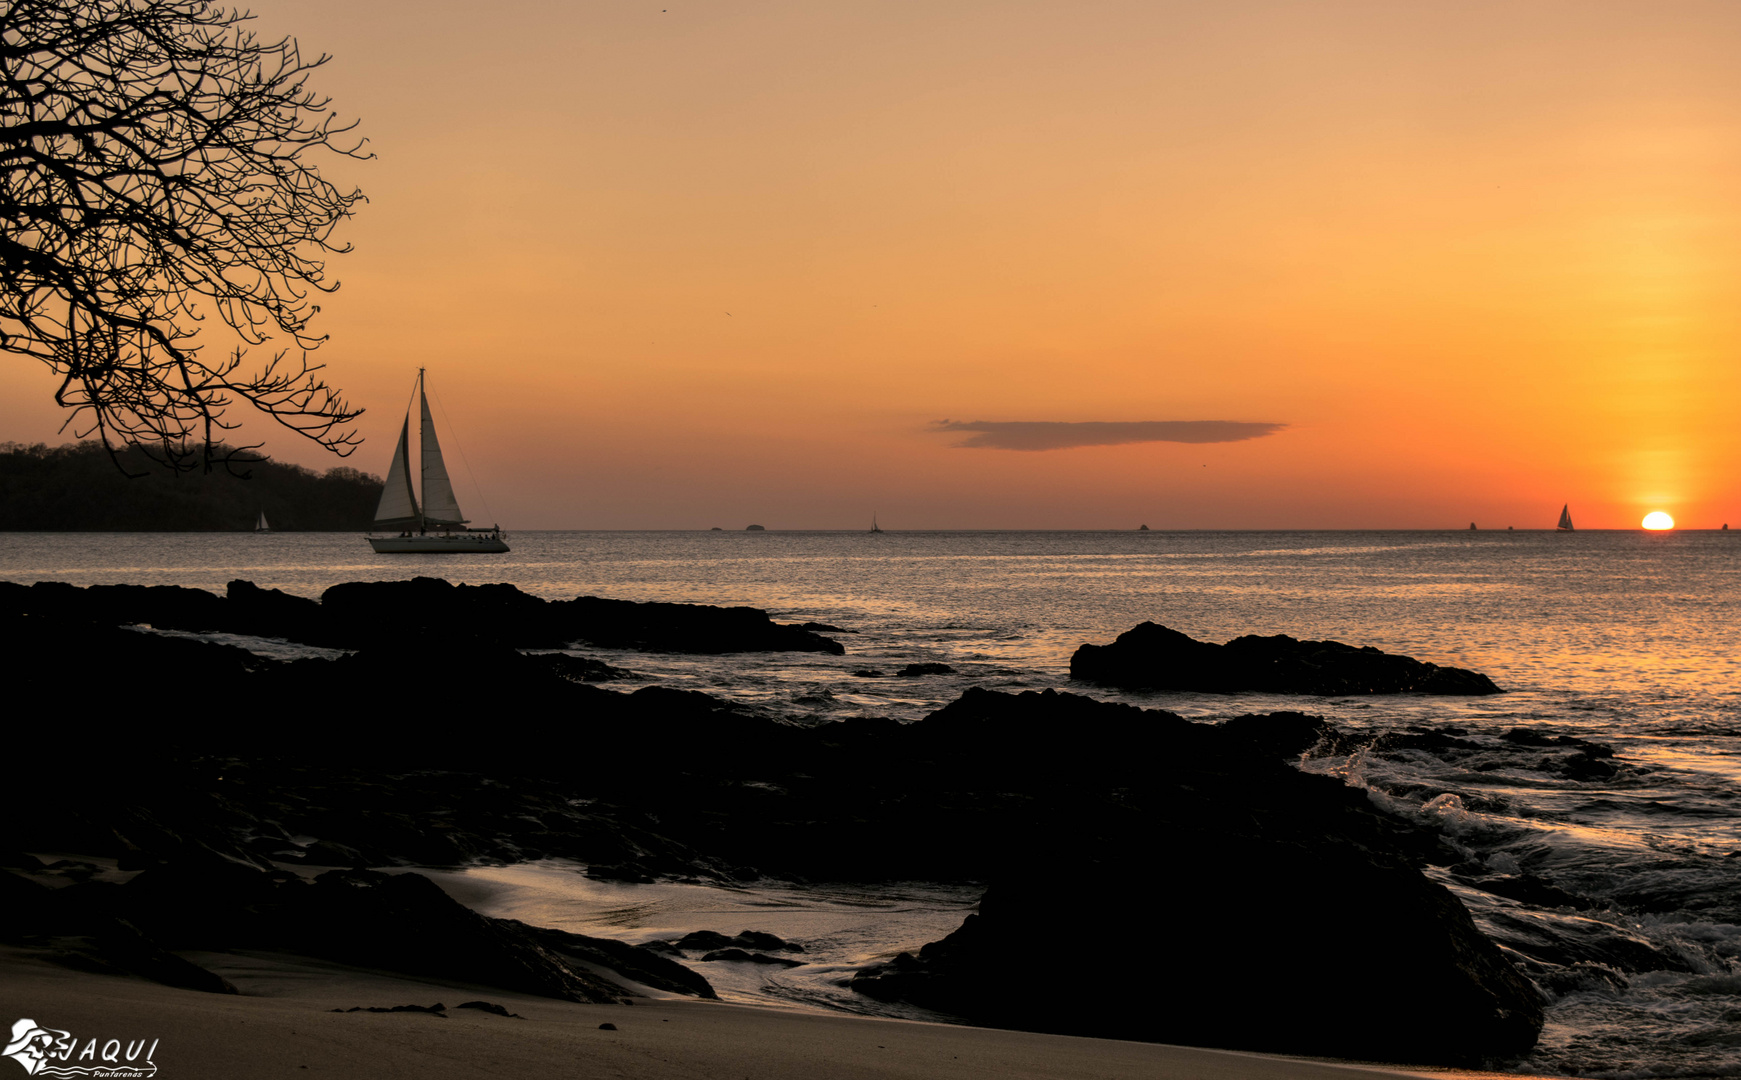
(439, 505)
(398, 503)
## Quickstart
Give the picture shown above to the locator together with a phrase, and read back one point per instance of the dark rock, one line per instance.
(686, 628)
(663, 948)
(1250, 986)
(926, 669)
(607, 1026)
(390, 921)
(249, 609)
(1582, 766)
(867, 673)
(1152, 657)
(741, 957)
(81, 930)
(369, 613)
(1531, 737)
(633, 962)
(583, 669)
(710, 940)
(489, 1007)
(438, 1009)
(1247, 856)
(824, 628)
(1284, 734)
(755, 939)
(754, 528)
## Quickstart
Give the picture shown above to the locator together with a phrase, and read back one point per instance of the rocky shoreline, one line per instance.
(1283, 907)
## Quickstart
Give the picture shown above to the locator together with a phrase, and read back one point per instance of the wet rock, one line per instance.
(867, 673)
(1250, 858)
(1153, 657)
(710, 940)
(1583, 767)
(391, 920)
(249, 609)
(686, 628)
(755, 939)
(741, 957)
(1532, 737)
(663, 948)
(489, 1007)
(632, 962)
(438, 1009)
(583, 668)
(926, 669)
(360, 614)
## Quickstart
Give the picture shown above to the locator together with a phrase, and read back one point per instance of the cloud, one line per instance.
(1061, 435)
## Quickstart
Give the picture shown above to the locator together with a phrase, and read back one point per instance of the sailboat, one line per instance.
(437, 526)
(1565, 524)
(874, 524)
(261, 526)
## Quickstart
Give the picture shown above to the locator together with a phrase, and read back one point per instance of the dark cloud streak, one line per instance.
(1061, 435)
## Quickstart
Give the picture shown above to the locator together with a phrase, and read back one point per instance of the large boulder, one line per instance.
(1253, 906)
(1234, 943)
(1153, 657)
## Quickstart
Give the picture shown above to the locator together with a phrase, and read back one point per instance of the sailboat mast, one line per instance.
(422, 458)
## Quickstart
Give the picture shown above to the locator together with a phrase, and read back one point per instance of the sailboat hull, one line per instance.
(439, 544)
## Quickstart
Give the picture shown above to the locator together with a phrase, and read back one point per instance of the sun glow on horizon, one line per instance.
(1657, 521)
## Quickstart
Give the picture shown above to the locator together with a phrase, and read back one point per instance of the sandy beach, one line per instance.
(282, 1024)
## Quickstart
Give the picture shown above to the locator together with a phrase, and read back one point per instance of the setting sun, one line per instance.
(1658, 520)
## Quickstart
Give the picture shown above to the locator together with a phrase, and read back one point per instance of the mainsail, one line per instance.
(439, 505)
(398, 507)
(1565, 524)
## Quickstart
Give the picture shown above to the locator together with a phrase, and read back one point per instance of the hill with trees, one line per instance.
(76, 488)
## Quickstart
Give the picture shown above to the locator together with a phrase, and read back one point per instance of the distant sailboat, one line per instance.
(438, 525)
(261, 526)
(874, 524)
(1565, 524)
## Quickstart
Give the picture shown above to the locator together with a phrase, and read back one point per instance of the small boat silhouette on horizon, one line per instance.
(1565, 524)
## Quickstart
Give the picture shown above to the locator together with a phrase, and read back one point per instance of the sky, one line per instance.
(1037, 265)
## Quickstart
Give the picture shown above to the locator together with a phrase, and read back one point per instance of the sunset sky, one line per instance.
(980, 264)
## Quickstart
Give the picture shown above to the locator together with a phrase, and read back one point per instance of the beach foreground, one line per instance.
(283, 1024)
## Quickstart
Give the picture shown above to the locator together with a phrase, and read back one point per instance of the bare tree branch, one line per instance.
(152, 171)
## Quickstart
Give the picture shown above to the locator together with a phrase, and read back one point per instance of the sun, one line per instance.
(1656, 520)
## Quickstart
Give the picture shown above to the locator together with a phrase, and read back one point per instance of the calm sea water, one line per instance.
(1631, 640)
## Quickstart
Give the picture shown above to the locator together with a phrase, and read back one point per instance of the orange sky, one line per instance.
(1481, 259)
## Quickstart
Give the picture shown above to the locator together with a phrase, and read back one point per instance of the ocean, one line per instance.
(1621, 641)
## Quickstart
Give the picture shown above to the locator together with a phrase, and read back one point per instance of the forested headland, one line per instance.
(77, 488)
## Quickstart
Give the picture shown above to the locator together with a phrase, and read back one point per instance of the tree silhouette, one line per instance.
(152, 172)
